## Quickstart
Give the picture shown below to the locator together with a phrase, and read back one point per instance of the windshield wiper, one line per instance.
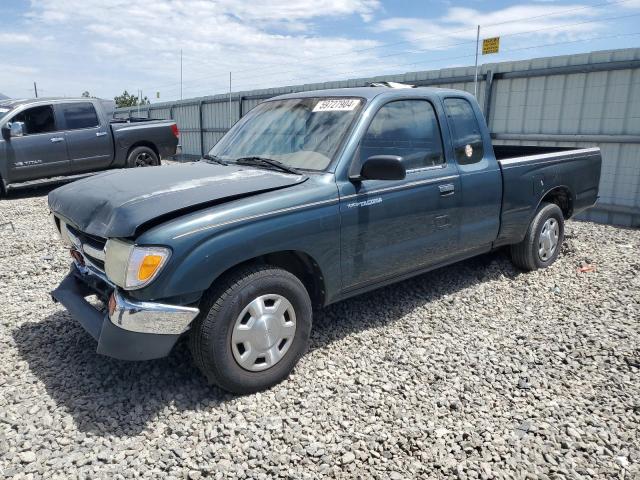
(257, 161)
(213, 158)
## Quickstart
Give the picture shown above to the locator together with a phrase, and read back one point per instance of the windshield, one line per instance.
(302, 133)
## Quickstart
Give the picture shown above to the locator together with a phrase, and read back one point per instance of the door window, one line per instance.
(80, 115)
(467, 140)
(37, 120)
(407, 128)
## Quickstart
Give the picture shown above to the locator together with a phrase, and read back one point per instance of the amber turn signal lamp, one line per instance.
(148, 267)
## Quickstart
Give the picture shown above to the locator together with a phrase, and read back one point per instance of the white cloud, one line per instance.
(519, 22)
(141, 40)
(278, 10)
(109, 48)
(10, 69)
(14, 38)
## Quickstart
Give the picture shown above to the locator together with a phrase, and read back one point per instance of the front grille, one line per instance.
(92, 247)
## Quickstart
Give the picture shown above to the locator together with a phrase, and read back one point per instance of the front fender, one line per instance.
(201, 256)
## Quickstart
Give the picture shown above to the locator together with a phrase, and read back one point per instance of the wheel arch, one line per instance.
(296, 262)
(561, 196)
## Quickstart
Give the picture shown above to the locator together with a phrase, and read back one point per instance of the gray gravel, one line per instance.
(474, 371)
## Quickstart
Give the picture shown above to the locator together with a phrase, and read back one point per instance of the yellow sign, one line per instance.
(490, 45)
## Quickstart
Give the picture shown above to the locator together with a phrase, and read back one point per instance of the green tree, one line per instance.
(86, 94)
(129, 100)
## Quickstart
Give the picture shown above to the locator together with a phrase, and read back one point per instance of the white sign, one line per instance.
(336, 105)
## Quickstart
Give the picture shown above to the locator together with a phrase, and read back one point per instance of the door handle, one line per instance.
(57, 139)
(100, 134)
(446, 190)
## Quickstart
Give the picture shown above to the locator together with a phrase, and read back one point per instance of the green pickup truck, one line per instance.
(309, 199)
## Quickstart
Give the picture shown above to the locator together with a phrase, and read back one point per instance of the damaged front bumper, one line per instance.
(125, 329)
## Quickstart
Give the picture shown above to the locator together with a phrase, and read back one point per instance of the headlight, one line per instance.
(130, 266)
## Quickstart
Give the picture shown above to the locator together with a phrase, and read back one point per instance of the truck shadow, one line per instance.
(111, 397)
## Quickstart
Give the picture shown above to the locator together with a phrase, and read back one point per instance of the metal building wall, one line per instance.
(573, 100)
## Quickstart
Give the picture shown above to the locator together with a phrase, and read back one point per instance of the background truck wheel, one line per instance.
(541, 245)
(142, 157)
(253, 327)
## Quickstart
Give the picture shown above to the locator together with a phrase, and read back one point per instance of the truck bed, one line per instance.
(530, 173)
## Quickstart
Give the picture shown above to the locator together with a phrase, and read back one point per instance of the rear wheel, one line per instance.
(142, 157)
(543, 240)
(253, 328)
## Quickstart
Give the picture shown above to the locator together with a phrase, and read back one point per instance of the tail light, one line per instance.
(174, 129)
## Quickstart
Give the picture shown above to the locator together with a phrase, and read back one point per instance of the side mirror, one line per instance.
(12, 129)
(382, 167)
(16, 128)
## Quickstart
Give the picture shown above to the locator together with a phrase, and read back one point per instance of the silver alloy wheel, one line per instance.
(548, 241)
(143, 159)
(263, 332)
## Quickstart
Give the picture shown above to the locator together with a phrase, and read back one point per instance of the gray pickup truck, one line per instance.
(309, 199)
(44, 138)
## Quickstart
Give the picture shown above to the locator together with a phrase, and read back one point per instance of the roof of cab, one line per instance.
(12, 103)
(369, 92)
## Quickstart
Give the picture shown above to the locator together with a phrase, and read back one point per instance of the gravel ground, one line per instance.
(474, 371)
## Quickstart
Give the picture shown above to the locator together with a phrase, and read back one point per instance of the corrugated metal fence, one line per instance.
(573, 100)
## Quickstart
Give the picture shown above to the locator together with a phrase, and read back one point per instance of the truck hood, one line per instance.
(119, 202)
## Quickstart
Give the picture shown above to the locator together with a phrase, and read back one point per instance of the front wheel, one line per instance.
(254, 326)
(541, 245)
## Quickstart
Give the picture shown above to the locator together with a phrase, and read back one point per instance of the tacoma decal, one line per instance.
(365, 203)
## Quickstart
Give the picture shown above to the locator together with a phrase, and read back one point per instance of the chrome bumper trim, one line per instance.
(151, 317)
(90, 269)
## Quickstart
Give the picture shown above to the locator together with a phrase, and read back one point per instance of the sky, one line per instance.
(107, 46)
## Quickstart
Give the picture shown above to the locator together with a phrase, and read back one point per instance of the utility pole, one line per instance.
(180, 74)
(229, 99)
(475, 82)
(35, 89)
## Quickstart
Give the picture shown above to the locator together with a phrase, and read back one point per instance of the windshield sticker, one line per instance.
(336, 105)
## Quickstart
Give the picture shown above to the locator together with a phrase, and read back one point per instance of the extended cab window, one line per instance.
(37, 120)
(407, 128)
(467, 140)
(80, 115)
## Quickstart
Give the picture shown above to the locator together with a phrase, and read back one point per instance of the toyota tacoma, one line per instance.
(309, 199)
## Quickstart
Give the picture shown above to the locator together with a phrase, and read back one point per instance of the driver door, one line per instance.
(41, 152)
(391, 228)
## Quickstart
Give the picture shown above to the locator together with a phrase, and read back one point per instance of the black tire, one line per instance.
(142, 157)
(210, 337)
(525, 254)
